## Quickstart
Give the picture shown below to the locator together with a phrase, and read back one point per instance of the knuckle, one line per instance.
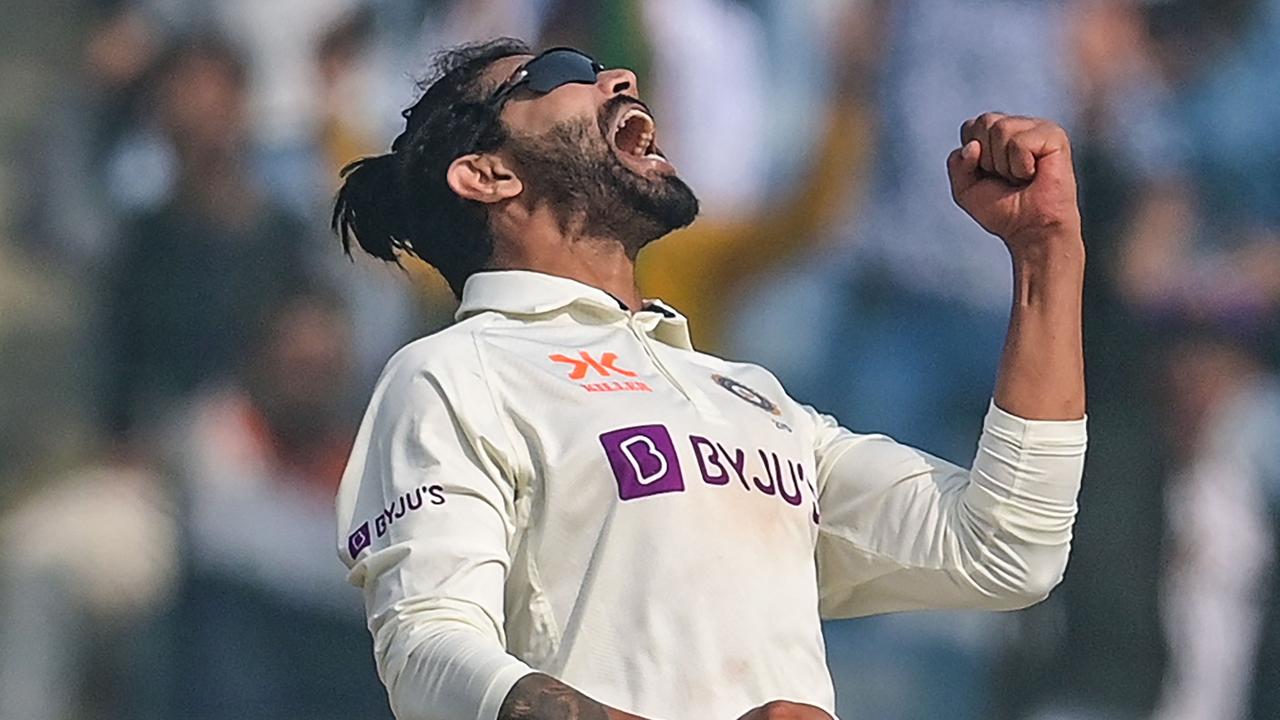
(987, 119)
(1052, 129)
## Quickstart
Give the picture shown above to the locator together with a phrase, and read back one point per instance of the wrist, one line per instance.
(1049, 269)
(1057, 246)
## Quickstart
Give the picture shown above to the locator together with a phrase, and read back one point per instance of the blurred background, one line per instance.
(184, 351)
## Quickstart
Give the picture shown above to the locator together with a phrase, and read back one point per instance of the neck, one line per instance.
(600, 262)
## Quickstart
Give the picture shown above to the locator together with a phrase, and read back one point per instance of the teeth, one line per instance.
(633, 112)
(644, 144)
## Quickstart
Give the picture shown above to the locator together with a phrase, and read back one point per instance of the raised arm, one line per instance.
(902, 530)
(1013, 175)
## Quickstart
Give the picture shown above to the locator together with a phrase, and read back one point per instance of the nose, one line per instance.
(618, 81)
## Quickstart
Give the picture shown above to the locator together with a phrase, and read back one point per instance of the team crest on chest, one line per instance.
(751, 396)
(747, 394)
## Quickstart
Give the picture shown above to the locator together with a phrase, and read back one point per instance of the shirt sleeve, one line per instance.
(903, 530)
(426, 518)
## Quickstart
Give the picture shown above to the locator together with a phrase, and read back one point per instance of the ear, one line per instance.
(484, 177)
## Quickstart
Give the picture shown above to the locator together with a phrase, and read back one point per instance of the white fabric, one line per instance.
(280, 40)
(903, 530)
(1222, 563)
(556, 483)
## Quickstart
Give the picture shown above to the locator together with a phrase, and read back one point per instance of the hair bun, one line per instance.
(369, 207)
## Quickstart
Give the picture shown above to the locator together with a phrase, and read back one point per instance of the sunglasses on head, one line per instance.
(548, 71)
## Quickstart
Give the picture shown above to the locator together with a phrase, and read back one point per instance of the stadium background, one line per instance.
(184, 351)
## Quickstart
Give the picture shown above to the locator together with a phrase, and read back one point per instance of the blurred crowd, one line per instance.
(184, 350)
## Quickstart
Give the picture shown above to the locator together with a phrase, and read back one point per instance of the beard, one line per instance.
(574, 170)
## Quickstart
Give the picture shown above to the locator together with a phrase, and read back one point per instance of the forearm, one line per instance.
(542, 697)
(1042, 368)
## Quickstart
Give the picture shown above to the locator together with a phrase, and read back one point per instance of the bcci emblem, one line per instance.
(747, 394)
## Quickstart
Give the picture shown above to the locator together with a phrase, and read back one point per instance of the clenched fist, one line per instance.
(784, 710)
(1013, 175)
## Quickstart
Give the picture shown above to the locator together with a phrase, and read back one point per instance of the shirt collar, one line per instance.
(525, 292)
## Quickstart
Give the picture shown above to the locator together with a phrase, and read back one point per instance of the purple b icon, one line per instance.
(359, 540)
(643, 460)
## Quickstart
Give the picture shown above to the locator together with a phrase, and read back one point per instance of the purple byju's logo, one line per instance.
(403, 505)
(644, 462)
(359, 540)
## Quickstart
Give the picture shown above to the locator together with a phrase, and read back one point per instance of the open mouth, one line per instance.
(635, 134)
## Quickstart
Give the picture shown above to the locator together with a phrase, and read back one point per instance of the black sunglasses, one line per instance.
(548, 71)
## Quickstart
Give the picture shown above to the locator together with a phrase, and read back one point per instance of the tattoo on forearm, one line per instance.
(542, 697)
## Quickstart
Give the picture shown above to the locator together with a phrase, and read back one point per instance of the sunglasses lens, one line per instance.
(558, 67)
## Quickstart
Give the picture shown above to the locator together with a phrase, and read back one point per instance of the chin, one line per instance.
(657, 205)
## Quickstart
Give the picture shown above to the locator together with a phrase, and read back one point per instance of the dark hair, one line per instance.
(400, 201)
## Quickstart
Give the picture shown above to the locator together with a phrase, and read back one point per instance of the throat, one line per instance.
(543, 246)
(601, 263)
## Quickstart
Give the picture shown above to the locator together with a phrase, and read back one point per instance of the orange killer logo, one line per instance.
(604, 367)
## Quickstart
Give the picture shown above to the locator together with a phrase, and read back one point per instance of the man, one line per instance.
(190, 274)
(257, 458)
(558, 509)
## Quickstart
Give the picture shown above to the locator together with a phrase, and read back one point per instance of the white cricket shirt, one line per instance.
(556, 484)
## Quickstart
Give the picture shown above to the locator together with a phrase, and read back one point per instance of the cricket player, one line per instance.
(557, 508)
